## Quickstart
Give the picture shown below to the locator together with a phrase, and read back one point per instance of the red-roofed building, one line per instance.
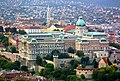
(10, 76)
(87, 72)
(69, 27)
(103, 62)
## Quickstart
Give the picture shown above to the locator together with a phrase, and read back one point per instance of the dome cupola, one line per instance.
(80, 22)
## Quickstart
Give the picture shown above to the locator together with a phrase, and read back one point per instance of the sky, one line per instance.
(108, 3)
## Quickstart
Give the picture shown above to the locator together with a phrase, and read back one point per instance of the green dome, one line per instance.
(80, 22)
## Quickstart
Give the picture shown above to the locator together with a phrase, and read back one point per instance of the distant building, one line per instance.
(96, 35)
(101, 54)
(61, 63)
(80, 27)
(103, 62)
(87, 72)
(88, 45)
(55, 28)
(41, 44)
(13, 75)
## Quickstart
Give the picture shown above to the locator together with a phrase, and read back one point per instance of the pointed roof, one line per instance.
(105, 60)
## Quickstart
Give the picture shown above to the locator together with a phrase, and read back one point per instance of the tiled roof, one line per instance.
(105, 60)
(13, 75)
(87, 68)
(69, 27)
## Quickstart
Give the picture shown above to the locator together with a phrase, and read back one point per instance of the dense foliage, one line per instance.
(107, 74)
(71, 50)
(80, 53)
(56, 52)
(40, 61)
(6, 64)
(57, 73)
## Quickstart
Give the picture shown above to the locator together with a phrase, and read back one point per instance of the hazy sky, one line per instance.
(103, 2)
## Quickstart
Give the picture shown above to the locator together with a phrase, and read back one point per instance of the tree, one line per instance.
(7, 29)
(80, 53)
(13, 49)
(49, 66)
(57, 73)
(55, 52)
(13, 30)
(109, 63)
(108, 73)
(9, 66)
(95, 75)
(115, 61)
(1, 29)
(82, 76)
(3, 63)
(39, 61)
(2, 79)
(74, 63)
(32, 72)
(1, 37)
(95, 63)
(86, 59)
(22, 32)
(48, 71)
(71, 50)
(16, 65)
(24, 68)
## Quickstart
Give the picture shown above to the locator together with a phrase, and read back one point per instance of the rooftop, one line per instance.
(95, 33)
(80, 22)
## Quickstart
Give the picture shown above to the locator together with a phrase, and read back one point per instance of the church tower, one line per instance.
(48, 17)
(80, 27)
(55, 60)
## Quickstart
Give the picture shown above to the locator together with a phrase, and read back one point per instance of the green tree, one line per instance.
(86, 59)
(1, 29)
(74, 63)
(39, 61)
(71, 50)
(57, 73)
(80, 53)
(82, 76)
(115, 61)
(109, 63)
(95, 75)
(2, 79)
(24, 68)
(55, 52)
(13, 49)
(49, 66)
(106, 74)
(3, 63)
(48, 71)
(22, 32)
(32, 72)
(9, 66)
(95, 63)
(1, 37)
(16, 65)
